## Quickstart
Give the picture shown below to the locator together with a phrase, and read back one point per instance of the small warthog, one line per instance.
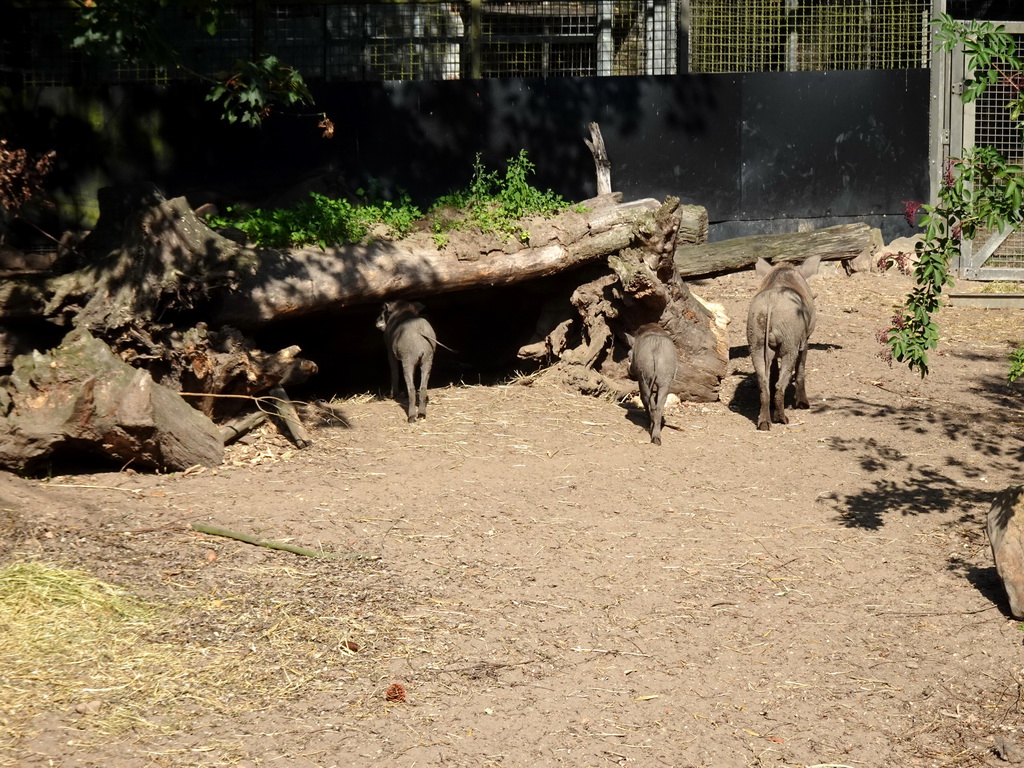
(653, 361)
(410, 340)
(779, 325)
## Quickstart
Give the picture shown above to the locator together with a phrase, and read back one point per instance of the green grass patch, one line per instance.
(323, 221)
(492, 203)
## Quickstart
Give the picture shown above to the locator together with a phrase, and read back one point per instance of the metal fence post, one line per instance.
(476, 37)
(605, 9)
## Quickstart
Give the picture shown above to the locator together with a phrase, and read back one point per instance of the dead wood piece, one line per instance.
(642, 287)
(82, 398)
(145, 256)
(842, 242)
(604, 166)
(593, 302)
(224, 362)
(239, 426)
(289, 417)
(552, 330)
(246, 538)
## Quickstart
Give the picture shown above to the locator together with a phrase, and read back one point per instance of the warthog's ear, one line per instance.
(418, 307)
(382, 318)
(810, 267)
(762, 267)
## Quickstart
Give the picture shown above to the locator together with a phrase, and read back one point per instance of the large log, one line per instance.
(842, 242)
(305, 280)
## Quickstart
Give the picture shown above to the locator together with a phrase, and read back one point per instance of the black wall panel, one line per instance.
(757, 150)
(821, 144)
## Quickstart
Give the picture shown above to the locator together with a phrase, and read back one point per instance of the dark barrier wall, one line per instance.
(760, 151)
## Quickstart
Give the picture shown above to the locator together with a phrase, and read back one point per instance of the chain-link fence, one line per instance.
(437, 40)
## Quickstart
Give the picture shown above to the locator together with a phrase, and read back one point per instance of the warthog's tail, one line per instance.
(433, 339)
(445, 346)
(656, 381)
(767, 330)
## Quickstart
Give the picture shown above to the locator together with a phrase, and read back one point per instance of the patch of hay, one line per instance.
(66, 639)
(96, 655)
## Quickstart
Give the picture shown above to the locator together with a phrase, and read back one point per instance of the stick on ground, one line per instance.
(214, 531)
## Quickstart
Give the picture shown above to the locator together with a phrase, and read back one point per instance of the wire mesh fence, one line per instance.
(994, 127)
(801, 35)
(446, 40)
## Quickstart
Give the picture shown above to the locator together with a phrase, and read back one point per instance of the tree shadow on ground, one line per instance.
(909, 487)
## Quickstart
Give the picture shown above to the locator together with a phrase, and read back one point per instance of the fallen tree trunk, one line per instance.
(842, 242)
(301, 281)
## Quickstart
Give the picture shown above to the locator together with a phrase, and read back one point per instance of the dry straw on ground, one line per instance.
(72, 643)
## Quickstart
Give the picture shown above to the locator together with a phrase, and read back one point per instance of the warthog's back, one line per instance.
(413, 334)
(780, 322)
(791, 312)
(654, 358)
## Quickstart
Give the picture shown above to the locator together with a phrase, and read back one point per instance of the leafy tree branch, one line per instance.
(131, 31)
(980, 191)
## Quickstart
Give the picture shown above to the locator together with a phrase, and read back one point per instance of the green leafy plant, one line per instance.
(1016, 364)
(491, 203)
(494, 204)
(249, 92)
(320, 220)
(981, 190)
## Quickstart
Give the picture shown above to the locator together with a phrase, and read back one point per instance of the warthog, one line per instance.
(410, 340)
(653, 361)
(779, 324)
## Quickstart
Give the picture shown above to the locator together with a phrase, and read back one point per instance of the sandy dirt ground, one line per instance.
(548, 588)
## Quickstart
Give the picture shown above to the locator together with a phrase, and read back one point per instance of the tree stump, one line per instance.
(81, 399)
(643, 287)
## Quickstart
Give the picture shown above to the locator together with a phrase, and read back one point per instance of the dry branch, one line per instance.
(244, 537)
(240, 425)
(289, 417)
(603, 165)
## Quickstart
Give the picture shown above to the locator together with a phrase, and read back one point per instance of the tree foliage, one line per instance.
(980, 191)
(131, 31)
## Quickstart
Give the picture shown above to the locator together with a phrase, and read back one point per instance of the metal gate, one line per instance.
(992, 255)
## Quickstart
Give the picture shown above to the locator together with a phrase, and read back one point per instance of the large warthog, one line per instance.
(779, 326)
(411, 342)
(653, 361)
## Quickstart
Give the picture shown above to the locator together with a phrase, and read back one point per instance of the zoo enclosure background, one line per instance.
(775, 116)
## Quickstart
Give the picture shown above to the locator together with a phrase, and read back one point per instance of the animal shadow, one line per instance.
(746, 399)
